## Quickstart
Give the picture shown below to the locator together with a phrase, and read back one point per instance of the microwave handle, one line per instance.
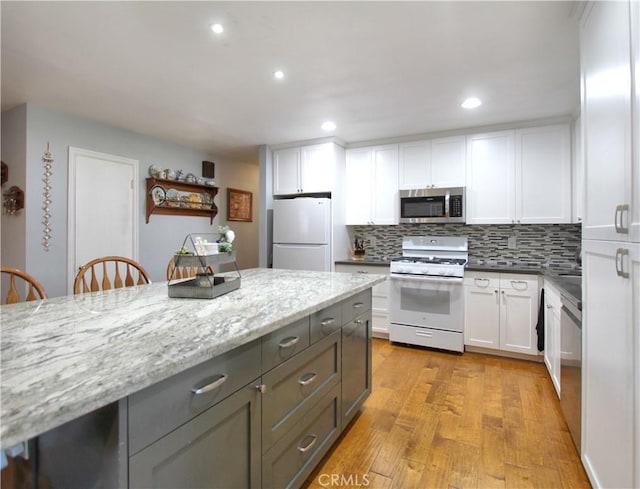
(446, 205)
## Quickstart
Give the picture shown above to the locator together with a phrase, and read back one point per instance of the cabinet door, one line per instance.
(482, 315)
(448, 156)
(414, 167)
(577, 171)
(359, 187)
(610, 383)
(317, 168)
(552, 335)
(219, 448)
(518, 317)
(286, 163)
(543, 175)
(490, 178)
(356, 365)
(606, 117)
(385, 198)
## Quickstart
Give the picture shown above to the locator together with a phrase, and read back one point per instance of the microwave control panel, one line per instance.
(455, 206)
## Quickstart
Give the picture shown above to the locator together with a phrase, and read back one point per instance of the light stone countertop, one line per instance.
(67, 356)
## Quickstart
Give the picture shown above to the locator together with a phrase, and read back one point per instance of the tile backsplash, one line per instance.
(550, 244)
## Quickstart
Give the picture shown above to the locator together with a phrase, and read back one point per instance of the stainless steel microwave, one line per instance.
(432, 205)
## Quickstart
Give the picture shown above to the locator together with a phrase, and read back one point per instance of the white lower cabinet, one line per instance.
(610, 368)
(553, 306)
(380, 296)
(501, 311)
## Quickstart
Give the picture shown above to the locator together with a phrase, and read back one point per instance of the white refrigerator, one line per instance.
(302, 234)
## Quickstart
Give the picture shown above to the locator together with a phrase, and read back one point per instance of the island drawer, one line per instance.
(356, 305)
(294, 386)
(294, 457)
(326, 321)
(283, 343)
(162, 407)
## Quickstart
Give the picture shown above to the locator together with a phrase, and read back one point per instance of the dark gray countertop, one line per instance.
(560, 275)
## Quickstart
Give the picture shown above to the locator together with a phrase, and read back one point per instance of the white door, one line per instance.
(103, 208)
(518, 314)
(491, 178)
(316, 168)
(448, 162)
(359, 186)
(386, 201)
(609, 378)
(606, 119)
(286, 171)
(482, 315)
(414, 166)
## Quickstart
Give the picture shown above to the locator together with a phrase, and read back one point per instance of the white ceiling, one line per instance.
(378, 69)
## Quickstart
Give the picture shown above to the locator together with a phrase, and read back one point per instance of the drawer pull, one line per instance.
(358, 305)
(289, 342)
(262, 388)
(307, 378)
(212, 386)
(309, 445)
(327, 322)
(422, 333)
(359, 321)
(481, 282)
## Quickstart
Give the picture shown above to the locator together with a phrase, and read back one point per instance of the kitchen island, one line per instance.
(67, 357)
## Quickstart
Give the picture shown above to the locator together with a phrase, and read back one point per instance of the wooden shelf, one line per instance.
(192, 199)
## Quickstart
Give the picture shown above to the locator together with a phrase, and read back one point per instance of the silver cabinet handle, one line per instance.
(309, 445)
(288, 342)
(481, 282)
(210, 387)
(620, 254)
(262, 388)
(328, 321)
(358, 305)
(515, 283)
(618, 218)
(359, 321)
(422, 333)
(307, 378)
(549, 306)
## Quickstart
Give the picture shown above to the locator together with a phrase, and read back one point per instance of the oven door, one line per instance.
(430, 302)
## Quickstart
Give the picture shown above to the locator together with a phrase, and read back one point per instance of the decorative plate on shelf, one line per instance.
(158, 194)
(173, 198)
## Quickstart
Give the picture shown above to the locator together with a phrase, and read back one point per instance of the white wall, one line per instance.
(159, 238)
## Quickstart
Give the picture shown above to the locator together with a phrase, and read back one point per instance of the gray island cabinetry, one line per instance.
(249, 390)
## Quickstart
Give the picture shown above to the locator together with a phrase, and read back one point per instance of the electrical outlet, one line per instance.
(511, 243)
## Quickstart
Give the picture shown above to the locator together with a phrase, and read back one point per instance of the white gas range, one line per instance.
(427, 300)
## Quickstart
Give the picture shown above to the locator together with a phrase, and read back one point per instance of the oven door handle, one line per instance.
(425, 278)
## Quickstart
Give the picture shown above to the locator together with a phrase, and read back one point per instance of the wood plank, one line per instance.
(437, 419)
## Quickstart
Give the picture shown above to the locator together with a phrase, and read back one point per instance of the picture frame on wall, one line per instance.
(239, 205)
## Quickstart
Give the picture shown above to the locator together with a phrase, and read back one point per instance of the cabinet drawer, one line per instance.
(356, 305)
(297, 384)
(325, 322)
(523, 283)
(294, 457)
(164, 406)
(284, 343)
(485, 280)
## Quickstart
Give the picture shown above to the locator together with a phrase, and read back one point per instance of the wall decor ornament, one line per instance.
(47, 161)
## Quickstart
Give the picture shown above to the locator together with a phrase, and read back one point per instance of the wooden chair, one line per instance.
(179, 273)
(36, 290)
(101, 269)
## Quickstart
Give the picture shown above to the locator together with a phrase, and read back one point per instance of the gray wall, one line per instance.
(157, 240)
(551, 244)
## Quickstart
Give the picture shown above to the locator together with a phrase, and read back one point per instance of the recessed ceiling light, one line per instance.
(471, 103)
(278, 75)
(217, 28)
(328, 126)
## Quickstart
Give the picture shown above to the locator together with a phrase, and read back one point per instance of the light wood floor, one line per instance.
(443, 420)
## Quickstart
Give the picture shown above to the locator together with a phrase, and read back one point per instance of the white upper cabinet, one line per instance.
(577, 172)
(372, 185)
(491, 178)
(432, 163)
(543, 175)
(306, 169)
(520, 176)
(612, 189)
(448, 162)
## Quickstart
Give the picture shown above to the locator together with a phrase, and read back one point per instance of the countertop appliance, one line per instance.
(435, 205)
(571, 366)
(302, 234)
(426, 292)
